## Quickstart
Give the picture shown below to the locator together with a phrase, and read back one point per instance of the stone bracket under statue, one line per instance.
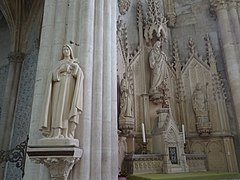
(58, 159)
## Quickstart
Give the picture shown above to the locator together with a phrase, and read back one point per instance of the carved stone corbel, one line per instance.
(58, 160)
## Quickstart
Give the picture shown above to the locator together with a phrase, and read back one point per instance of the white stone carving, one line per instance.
(123, 6)
(218, 89)
(64, 98)
(155, 22)
(200, 106)
(127, 55)
(126, 116)
(157, 61)
(126, 98)
(200, 103)
(168, 134)
(122, 38)
(159, 72)
(58, 160)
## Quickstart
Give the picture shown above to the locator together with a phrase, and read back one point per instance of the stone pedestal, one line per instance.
(58, 142)
(59, 159)
(126, 124)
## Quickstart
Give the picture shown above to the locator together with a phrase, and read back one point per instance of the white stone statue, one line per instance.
(64, 97)
(200, 104)
(122, 149)
(126, 101)
(157, 61)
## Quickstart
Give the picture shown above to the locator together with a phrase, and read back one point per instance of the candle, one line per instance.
(143, 133)
(183, 131)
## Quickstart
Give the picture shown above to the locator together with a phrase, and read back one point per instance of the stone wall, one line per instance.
(4, 51)
(24, 101)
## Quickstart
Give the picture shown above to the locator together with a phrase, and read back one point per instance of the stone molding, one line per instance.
(196, 162)
(140, 163)
(16, 57)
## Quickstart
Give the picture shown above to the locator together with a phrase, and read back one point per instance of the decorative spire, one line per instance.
(155, 22)
(122, 36)
(140, 18)
(209, 49)
(175, 51)
(192, 46)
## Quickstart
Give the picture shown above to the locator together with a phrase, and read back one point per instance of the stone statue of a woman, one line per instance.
(64, 98)
(126, 98)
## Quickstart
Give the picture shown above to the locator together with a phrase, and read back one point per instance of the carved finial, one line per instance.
(122, 36)
(140, 18)
(175, 51)
(209, 49)
(192, 46)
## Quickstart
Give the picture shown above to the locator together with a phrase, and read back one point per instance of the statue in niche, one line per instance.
(126, 101)
(200, 104)
(64, 97)
(157, 61)
(159, 74)
(122, 149)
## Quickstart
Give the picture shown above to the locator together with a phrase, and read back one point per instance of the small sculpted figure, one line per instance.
(126, 101)
(200, 105)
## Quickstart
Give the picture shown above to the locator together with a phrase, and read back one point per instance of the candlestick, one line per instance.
(143, 133)
(183, 131)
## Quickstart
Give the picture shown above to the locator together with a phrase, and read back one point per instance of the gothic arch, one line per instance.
(8, 15)
(216, 157)
(20, 17)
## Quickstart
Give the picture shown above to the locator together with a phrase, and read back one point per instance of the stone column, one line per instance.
(170, 12)
(9, 101)
(114, 135)
(15, 66)
(97, 99)
(107, 90)
(86, 50)
(229, 52)
(236, 26)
